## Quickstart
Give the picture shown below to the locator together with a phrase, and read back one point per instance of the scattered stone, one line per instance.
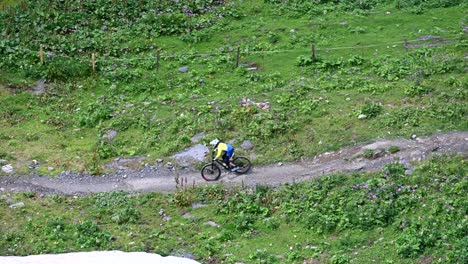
(198, 205)
(182, 254)
(40, 87)
(378, 153)
(413, 136)
(7, 168)
(344, 23)
(184, 69)
(362, 116)
(246, 102)
(187, 215)
(17, 205)
(250, 66)
(169, 166)
(2, 161)
(211, 223)
(247, 145)
(110, 135)
(280, 164)
(50, 168)
(134, 163)
(159, 160)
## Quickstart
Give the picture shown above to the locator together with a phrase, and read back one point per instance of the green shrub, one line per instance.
(393, 149)
(370, 110)
(63, 69)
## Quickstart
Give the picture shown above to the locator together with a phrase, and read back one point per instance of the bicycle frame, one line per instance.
(220, 162)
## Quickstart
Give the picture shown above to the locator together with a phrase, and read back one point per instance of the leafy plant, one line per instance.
(393, 149)
(370, 110)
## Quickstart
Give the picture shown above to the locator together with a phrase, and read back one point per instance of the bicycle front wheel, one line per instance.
(243, 164)
(210, 172)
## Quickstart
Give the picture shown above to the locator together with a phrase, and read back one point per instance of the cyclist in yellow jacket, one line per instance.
(224, 151)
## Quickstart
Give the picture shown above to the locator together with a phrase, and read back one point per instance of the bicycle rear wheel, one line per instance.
(243, 164)
(210, 172)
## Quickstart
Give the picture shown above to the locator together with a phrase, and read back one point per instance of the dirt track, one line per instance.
(160, 179)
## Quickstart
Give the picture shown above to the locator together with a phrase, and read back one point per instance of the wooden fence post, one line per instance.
(238, 57)
(41, 55)
(93, 62)
(313, 53)
(158, 59)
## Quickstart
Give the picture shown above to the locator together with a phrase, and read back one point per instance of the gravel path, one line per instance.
(160, 179)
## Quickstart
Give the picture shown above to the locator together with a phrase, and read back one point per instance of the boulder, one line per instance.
(7, 168)
(247, 145)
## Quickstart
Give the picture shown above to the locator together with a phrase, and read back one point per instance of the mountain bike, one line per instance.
(212, 171)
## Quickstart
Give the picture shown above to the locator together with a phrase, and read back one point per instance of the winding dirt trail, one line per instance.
(161, 179)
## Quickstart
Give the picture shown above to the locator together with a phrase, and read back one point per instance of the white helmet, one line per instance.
(214, 142)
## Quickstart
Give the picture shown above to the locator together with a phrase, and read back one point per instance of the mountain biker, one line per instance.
(224, 151)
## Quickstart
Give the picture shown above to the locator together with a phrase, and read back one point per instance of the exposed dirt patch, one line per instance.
(161, 179)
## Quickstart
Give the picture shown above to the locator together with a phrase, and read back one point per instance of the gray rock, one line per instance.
(169, 166)
(197, 137)
(187, 215)
(211, 223)
(7, 168)
(248, 64)
(39, 88)
(247, 145)
(191, 155)
(110, 135)
(198, 205)
(17, 205)
(159, 160)
(378, 153)
(184, 69)
(182, 254)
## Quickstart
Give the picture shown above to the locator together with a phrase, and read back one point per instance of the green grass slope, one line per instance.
(381, 69)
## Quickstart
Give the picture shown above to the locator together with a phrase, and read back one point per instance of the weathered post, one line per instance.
(238, 57)
(93, 62)
(313, 53)
(158, 59)
(41, 55)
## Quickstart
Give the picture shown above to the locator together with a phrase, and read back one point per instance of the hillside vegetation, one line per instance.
(384, 217)
(83, 82)
(137, 77)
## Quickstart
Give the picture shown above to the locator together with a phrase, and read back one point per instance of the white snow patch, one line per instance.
(97, 257)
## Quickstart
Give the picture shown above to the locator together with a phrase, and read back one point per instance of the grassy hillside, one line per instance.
(384, 217)
(381, 69)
